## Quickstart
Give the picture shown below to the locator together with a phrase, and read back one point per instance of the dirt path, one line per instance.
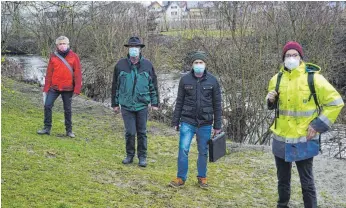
(330, 175)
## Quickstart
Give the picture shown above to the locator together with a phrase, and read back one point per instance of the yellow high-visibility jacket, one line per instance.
(297, 109)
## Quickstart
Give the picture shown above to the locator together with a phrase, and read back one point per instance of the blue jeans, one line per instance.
(203, 135)
(66, 96)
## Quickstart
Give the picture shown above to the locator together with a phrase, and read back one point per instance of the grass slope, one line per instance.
(56, 171)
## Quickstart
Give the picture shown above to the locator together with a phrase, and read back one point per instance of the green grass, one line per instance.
(54, 171)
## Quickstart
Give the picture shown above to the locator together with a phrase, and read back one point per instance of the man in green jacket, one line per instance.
(134, 88)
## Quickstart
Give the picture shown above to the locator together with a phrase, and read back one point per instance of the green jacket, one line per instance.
(134, 86)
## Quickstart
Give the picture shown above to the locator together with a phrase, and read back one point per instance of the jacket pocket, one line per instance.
(142, 84)
(207, 90)
(143, 97)
(189, 90)
(124, 91)
(305, 100)
(301, 151)
(123, 82)
(207, 113)
(187, 111)
(207, 94)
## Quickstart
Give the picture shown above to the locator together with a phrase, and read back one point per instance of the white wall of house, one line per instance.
(175, 12)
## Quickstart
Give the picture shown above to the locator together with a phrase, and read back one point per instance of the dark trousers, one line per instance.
(67, 100)
(135, 122)
(306, 180)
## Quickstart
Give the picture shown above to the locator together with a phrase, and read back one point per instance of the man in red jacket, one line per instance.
(63, 77)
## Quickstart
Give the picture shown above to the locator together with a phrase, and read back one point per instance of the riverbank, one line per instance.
(55, 171)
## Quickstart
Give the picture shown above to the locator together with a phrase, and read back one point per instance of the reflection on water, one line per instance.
(34, 67)
(168, 87)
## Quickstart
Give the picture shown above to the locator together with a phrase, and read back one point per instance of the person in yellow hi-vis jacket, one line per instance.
(306, 105)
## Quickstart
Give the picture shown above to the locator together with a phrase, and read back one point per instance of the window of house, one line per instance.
(174, 7)
(174, 13)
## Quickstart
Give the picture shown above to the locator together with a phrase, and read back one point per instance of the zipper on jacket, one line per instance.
(134, 82)
(198, 91)
(134, 85)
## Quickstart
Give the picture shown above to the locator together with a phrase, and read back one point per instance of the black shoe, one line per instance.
(128, 160)
(70, 134)
(44, 131)
(142, 162)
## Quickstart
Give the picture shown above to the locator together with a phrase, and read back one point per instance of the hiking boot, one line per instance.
(128, 160)
(142, 162)
(44, 131)
(70, 134)
(176, 183)
(202, 182)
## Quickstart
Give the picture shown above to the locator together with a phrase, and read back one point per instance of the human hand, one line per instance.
(311, 133)
(154, 108)
(271, 96)
(216, 131)
(177, 128)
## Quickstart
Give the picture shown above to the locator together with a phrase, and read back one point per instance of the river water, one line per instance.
(35, 69)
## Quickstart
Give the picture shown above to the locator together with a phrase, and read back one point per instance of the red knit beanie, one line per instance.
(292, 45)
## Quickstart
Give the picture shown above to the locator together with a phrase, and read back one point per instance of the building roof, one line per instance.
(153, 3)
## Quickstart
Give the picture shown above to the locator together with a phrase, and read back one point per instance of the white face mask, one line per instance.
(199, 68)
(134, 52)
(291, 63)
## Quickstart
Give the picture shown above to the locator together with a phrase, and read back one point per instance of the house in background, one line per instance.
(175, 13)
(175, 10)
(155, 7)
(181, 14)
(155, 17)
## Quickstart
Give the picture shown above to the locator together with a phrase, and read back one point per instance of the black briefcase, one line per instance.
(217, 147)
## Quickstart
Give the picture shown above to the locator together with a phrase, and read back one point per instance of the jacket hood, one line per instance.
(312, 67)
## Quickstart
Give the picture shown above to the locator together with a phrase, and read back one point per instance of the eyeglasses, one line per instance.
(292, 55)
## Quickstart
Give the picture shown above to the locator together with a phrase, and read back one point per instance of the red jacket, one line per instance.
(59, 77)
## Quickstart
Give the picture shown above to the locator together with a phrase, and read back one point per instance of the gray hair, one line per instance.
(62, 38)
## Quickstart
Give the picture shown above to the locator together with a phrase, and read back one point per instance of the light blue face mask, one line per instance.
(199, 68)
(134, 52)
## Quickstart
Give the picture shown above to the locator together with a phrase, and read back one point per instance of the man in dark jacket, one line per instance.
(134, 87)
(198, 105)
(63, 77)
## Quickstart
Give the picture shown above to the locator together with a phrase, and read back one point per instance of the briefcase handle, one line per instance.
(218, 135)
